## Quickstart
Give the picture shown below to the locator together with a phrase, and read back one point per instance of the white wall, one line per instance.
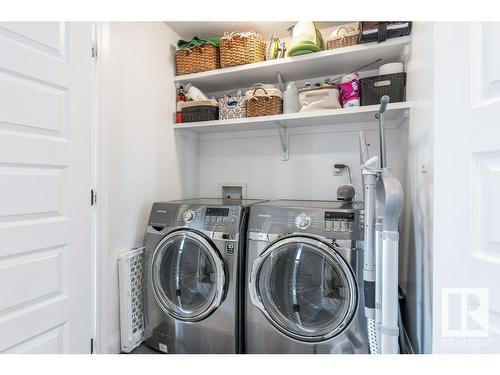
(142, 161)
(308, 174)
(416, 249)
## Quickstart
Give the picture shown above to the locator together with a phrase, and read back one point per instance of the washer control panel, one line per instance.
(223, 218)
(220, 216)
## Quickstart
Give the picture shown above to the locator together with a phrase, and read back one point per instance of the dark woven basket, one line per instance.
(373, 88)
(200, 113)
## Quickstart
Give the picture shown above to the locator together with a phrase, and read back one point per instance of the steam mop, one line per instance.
(384, 197)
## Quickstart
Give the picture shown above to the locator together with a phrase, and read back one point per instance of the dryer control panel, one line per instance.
(342, 222)
(337, 220)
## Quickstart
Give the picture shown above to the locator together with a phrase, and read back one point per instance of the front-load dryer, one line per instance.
(304, 278)
(194, 251)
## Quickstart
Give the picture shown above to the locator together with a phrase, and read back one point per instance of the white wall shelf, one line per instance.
(358, 117)
(328, 63)
(340, 120)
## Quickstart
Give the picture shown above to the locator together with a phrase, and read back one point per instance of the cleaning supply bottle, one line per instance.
(194, 93)
(350, 90)
(181, 97)
(291, 99)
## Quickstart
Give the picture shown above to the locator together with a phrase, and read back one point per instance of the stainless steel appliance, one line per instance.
(304, 278)
(194, 251)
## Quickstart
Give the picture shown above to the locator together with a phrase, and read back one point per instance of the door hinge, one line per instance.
(91, 346)
(93, 51)
(93, 197)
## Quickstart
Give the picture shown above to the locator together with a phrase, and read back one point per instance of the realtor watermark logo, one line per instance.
(465, 318)
(465, 312)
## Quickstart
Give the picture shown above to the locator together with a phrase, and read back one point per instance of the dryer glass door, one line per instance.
(187, 275)
(305, 288)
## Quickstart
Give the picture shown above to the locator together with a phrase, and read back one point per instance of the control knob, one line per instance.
(302, 221)
(188, 216)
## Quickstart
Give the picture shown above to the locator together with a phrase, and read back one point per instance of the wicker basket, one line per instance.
(241, 48)
(264, 105)
(350, 38)
(197, 59)
(204, 110)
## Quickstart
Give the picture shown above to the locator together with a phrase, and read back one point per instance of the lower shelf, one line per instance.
(333, 117)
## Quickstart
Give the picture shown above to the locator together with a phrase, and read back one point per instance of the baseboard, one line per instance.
(114, 346)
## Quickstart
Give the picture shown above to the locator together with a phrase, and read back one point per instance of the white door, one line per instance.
(466, 261)
(45, 177)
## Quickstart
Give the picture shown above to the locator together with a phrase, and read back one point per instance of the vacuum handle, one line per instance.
(380, 116)
(384, 100)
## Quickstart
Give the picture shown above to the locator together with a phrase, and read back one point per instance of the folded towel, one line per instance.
(197, 42)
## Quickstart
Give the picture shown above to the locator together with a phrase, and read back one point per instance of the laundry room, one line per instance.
(213, 185)
(300, 155)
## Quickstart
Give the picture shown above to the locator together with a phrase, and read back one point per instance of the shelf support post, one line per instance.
(283, 132)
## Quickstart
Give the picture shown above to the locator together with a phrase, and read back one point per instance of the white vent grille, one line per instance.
(130, 272)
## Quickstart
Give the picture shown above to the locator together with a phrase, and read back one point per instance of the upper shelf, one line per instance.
(320, 64)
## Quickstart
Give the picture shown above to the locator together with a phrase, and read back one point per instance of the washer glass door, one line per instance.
(304, 288)
(187, 275)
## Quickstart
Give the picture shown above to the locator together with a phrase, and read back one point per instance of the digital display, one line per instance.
(339, 215)
(217, 211)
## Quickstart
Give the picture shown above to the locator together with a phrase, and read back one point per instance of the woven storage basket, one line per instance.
(344, 40)
(197, 59)
(241, 48)
(264, 105)
(204, 110)
(373, 88)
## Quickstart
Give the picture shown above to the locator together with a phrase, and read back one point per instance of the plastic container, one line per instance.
(373, 88)
(291, 99)
(391, 68)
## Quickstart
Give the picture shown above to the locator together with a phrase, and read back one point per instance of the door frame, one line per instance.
(100, 253)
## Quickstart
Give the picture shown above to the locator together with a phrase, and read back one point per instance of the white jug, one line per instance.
(291, 99)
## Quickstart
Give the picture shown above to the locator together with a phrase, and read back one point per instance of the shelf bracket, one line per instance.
(404, 116)
(283, 132)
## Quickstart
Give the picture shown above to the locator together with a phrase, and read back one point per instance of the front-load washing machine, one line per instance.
(194, 250)
(304, 278)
